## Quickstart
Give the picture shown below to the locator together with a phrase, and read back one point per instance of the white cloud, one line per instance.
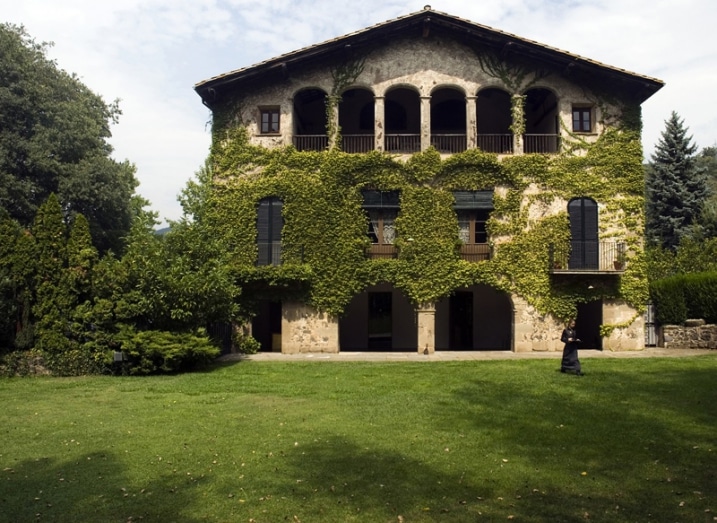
(150, 53)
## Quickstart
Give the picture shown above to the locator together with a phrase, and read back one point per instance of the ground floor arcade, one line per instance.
(471, 319)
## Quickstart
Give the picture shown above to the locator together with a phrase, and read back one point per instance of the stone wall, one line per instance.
(694, 334)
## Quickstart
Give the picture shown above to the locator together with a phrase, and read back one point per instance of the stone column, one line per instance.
(379, 122)
(425, 122)
(305, 330)
(426, 321)
(631, 337)
(471, 123)
(532, 330)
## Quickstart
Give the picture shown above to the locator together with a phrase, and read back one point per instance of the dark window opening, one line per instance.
(269, 121)
(582, 120)
(270, 223)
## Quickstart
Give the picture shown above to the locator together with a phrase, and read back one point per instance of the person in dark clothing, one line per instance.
(570, 362)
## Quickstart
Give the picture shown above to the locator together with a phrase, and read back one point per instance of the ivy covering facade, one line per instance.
(324, 240)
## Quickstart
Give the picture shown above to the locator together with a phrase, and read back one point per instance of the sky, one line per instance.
(149, 54)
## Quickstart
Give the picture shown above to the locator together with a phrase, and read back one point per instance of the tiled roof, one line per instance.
(462, 27)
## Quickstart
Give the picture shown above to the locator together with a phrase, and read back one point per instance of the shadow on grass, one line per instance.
(89, 488)
(643, 434)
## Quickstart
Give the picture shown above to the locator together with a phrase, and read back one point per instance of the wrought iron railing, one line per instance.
(496, 143)
(403, 143)
(276, 253)
(541, 143)
(357, 143)
(449, 143)
(311, 142)
(588, 256)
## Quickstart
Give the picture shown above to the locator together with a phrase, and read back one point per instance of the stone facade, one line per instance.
(694, 334)
(412, 80)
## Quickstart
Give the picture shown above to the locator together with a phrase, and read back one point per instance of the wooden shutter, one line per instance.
(584, 251)
(269, 225)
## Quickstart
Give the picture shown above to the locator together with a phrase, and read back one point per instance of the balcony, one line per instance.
(541, 143)
(449, 143)
(588, 257)
(403, 143)
(311, 142)
(496, 143)
(381, 251)
(475, 252)
(276, 253)
(357, 143)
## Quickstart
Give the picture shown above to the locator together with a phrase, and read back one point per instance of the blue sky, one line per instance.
(150, 53)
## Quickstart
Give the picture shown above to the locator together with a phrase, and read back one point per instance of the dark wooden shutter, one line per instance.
(269, 225)
(584, 248)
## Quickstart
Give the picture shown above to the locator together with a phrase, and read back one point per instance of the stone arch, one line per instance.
(542, 121)
(493, 120)
(479, 317)
(381, 318)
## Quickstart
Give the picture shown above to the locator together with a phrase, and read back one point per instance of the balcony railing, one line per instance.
(403, 143)
(541, 143)
(588, 256)
(311, 142)
(377, 251)
(357, 143)
(496, 143)
(276, 253)
(475, 252)
(449, 143)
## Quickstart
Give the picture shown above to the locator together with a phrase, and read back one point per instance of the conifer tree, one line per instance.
(676, 187)
(53, 301)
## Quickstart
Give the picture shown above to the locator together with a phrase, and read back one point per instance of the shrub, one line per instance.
(154, 352)
(685, 296)
(669, 300)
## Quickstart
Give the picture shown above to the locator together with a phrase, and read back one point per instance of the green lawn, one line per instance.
(633, 441)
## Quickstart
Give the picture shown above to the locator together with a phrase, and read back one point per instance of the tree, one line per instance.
(53, 139)
(676, 187)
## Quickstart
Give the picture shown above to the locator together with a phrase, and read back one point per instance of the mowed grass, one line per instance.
(633, 441)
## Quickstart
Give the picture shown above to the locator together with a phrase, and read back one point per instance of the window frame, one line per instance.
(265, 128)
(581, 111)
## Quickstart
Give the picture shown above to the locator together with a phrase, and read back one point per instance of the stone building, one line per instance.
(493, 187)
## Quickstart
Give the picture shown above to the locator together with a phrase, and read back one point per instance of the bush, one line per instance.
(154, 352)
(22, 363)
(685, 296)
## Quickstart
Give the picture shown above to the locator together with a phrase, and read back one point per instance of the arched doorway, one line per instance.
(475, 318)
(379, 319)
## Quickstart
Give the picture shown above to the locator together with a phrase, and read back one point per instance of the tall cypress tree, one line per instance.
(676, 187)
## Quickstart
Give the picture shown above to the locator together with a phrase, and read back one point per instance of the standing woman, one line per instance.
(570, 362)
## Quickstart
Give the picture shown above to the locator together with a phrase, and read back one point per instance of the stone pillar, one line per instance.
(333, 124)
(533, 331)
(517, 110)
(471, 123)
(305, 330)
(379, 124)
(631, 337)
(425, 122)
(426, 321)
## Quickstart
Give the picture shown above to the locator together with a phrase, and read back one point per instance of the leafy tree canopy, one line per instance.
(53, 139)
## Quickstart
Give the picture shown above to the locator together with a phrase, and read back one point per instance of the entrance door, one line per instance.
(380, 320)
(588, 324)
(461, 321)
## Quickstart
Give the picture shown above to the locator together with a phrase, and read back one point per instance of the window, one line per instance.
(582, 119)
(269, 225)
(382, 209)
(473, 210)
(269, 120)
(472, 226)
